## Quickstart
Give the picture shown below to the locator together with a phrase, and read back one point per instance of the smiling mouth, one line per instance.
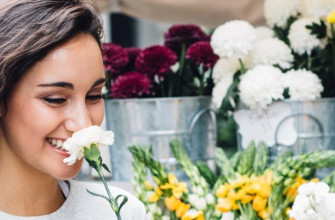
(58, 145)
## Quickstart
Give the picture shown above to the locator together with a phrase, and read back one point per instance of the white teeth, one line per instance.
(56, 143)
(59, 143)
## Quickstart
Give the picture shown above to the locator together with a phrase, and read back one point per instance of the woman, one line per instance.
(51, 77)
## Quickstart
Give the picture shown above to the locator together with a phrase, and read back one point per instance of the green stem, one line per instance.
(201, 79)
(309, 62)
(181, 66)
(162, 87)
(112, 200)
(333, 46)
(243, 70)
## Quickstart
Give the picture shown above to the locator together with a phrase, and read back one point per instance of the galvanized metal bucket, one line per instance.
(156, 121)
(314, 122)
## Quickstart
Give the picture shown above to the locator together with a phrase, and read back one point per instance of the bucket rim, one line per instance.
(166, 99)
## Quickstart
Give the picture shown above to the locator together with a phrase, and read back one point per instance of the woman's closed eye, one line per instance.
(93, 98)
(54, 101)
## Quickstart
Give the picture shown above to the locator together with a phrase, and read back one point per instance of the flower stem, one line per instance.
(309, 62)
(333, 46)
(181, 65)
(112, 200)
(243, 70)
(202, 83)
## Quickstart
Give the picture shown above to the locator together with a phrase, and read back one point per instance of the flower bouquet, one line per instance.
(293, 58)
(180, 67)
(247, 188)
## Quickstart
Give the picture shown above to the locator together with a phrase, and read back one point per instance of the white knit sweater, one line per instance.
(80, 205)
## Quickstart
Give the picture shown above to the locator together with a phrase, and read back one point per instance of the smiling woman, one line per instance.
(51, 77)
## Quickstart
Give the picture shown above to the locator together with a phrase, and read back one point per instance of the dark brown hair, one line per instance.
(29, 29)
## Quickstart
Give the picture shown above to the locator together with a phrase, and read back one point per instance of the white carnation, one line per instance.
(263, 33)
(224, 68)
(300, 37)
(271, 52)
(84, 138)
(316, 9)
(303, 85)
(260, 85)
(233, 39)
(277, 12)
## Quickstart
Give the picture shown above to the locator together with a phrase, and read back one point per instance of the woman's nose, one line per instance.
(78, 117)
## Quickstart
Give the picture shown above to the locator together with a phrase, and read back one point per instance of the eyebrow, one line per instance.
(69, 85)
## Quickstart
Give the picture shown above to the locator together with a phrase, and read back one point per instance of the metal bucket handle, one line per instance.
(195, 119)
(300, 114)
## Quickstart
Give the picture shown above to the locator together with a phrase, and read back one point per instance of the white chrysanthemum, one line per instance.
(300, 37)
(313, 202)
(260, 86)
(233, 39)
(303, 85)
(263, 33)
(228, 216)
(316, 9)
(84, 138)
(271, 52)
(225, 68)
(277, 12)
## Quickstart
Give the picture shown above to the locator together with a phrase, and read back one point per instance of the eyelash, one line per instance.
(59, 101)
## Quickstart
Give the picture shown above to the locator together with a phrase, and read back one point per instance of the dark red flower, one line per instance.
(202, 54)
(115, 57)
(155, 60)
(130, 85)
(132, 54)
(183, 34)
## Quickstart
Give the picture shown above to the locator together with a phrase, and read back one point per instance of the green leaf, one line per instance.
(246, 161)
(92, 153)
(125, 199)
(98, 195)
(106, 167)
(223, 163)
(261, 158)
(319, 30)
(206, 172)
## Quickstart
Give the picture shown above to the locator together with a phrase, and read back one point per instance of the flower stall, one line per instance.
(159, 93)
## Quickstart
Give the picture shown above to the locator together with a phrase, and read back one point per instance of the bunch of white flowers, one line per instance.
(84, 138)
(314, 201)
(294, 45)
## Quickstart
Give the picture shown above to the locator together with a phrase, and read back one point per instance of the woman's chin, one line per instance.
(69, 172)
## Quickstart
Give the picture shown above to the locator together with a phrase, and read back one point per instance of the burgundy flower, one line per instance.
(155, 60)
(130, 85)
(202, 54)
(115, 57)
(183, 34)
(132, 54)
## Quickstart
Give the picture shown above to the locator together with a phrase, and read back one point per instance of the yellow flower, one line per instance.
(182, 209)
(259, 203)
(172, 203)
(240, 181)
(148, 185)
(223, 190)
(254, 187)
(172, 179)
(224, 205)
(266, 190)
(264, 214)
(331, 17)
(179, 189)
(154, 197)
(246, 199)
(195, 215)
(232, 195)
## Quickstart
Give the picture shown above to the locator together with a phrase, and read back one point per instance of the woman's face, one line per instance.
(59, 95)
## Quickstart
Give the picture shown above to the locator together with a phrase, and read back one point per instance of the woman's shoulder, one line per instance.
(133, 209)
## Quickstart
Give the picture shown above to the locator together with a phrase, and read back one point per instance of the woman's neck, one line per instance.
(27, 192)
